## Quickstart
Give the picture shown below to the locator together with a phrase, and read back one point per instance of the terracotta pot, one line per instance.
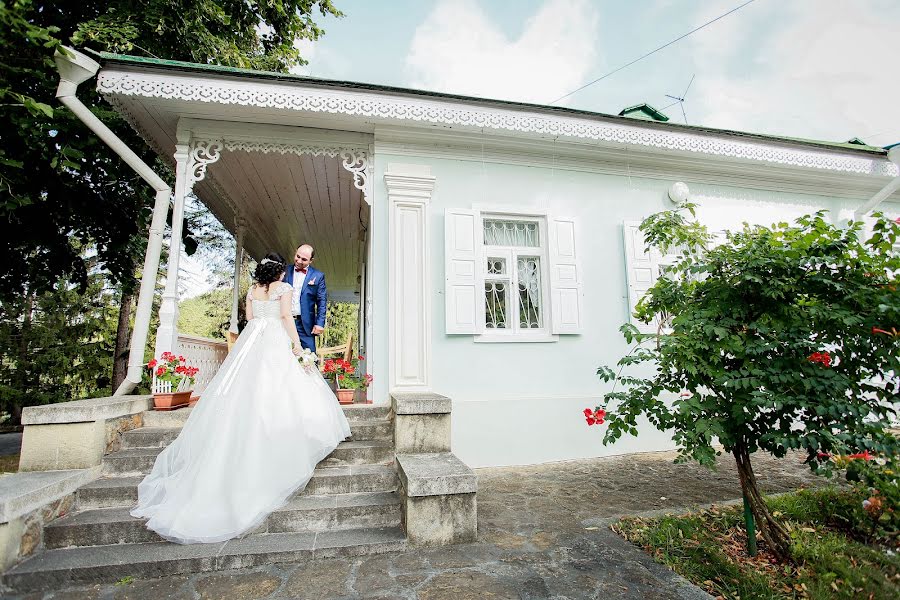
(171, 401)
(194, 400)
(345, 396)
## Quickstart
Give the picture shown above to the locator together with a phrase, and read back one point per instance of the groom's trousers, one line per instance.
(306, 341)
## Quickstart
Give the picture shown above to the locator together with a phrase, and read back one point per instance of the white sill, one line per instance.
(495, 337)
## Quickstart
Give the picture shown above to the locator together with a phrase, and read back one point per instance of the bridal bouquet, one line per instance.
(307, 359)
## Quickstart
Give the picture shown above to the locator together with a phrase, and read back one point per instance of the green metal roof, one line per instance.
(645, 109)
(176, 65)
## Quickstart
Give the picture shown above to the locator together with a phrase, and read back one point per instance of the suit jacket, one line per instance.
(313, 298)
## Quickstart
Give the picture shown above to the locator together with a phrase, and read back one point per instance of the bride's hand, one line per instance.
(297, 349)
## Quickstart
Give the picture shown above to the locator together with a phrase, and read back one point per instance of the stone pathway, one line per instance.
(542, 534)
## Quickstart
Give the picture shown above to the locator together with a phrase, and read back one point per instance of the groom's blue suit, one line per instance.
(313, 301)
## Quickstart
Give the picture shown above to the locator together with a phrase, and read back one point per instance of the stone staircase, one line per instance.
(350, 507)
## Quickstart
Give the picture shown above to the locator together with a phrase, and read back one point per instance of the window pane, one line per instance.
(530, 313)
(495, 304)
(498, 232)
(496, 266)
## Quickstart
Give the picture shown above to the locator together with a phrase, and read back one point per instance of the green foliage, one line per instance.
(743, 321)
(56, 346)
(62, 188)
(877, 483)
(705, 548)
(207, 315)
(341, 319)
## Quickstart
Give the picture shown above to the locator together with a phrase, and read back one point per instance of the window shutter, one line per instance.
(565, 278)
(642, 268)
(464, 305)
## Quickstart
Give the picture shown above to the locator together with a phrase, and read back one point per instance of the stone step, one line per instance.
(106, 526)
(176, 418)
(57, 568)
(139, 461)
(160, 437)
(111, 492)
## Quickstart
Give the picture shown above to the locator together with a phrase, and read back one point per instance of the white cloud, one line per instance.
(812, 68)
(458, 49)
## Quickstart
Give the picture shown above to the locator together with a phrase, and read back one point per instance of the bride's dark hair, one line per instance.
(270, 269)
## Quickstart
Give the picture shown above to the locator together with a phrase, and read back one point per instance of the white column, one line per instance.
(167, 333)
(239, 228)
(191, 160)
(409, 279)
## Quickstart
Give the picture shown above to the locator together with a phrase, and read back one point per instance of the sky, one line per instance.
(817, 69)
(820, 69)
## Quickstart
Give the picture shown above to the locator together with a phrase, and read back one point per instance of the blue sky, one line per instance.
(821, 69)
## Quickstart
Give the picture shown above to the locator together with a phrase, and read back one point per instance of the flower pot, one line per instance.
(345, 396)
(171, 401)
(360, 396)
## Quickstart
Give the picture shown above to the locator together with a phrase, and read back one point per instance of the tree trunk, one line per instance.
(773, 532)
(120, 355)
(23, 368)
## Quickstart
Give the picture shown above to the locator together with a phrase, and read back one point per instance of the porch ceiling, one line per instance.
(286, 199)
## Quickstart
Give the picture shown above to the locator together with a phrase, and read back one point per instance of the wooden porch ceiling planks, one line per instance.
(295, 199)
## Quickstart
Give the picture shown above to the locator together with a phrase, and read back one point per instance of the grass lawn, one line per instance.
(9, 463)
(835, 557)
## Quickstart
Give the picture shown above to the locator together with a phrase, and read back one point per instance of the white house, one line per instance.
(491, 245)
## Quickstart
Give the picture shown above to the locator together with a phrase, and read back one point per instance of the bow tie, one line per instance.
(296, 270)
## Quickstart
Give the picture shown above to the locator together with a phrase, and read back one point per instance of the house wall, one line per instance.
(522, 403)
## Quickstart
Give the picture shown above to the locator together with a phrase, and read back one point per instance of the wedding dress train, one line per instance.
(262, 425)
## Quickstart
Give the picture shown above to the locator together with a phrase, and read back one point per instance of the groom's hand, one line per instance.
(316, 330)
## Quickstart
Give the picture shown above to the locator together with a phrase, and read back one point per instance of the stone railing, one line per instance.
(203, 353)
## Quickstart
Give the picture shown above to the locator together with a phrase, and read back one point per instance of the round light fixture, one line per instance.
(679, 192)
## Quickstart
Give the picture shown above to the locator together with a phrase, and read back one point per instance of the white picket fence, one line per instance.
(205, 354)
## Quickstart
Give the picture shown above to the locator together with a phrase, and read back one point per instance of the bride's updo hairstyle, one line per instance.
(270, 269)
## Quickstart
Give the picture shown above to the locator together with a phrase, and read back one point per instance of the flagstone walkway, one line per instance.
(543, 533)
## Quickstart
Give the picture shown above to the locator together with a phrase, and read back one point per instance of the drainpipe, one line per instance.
(892, 186)
(76, 68)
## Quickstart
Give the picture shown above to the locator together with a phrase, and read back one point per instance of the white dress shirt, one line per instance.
(299, 280)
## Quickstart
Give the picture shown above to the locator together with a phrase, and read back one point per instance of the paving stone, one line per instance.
(236, 585)
(174, 588)
(319, 579)
(467, 585)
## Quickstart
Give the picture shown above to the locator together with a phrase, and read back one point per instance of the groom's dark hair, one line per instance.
(270, 269)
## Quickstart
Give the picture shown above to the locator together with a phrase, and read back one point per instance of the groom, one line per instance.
(310, 296)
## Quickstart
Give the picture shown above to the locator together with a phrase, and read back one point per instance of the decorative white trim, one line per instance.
(409, 189)
(386, 108)
(203, 153)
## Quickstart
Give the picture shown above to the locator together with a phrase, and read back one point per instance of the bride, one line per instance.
(255, 438)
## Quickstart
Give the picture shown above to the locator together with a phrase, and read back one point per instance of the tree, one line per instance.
(64, 189)
(61, 188)
(781, 338)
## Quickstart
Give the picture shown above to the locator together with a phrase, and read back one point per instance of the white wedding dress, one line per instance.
(255, 437)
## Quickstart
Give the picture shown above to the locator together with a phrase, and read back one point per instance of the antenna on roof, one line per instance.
(680, 99)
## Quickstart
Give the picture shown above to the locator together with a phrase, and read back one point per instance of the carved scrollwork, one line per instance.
(357, 162)
(203, 153)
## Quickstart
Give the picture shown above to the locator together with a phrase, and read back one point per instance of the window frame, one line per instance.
(511, 255)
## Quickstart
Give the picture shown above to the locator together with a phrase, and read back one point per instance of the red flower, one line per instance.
(341, 377)
(864, 455)
(822, 455)
(594, 417)
(181, 358)
(161, 371)
(360, 357)
(822, 358)
(151, 364)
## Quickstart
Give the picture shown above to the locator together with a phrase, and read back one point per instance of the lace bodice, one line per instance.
(271, 308)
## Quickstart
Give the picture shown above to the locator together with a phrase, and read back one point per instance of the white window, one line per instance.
(511, 277)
